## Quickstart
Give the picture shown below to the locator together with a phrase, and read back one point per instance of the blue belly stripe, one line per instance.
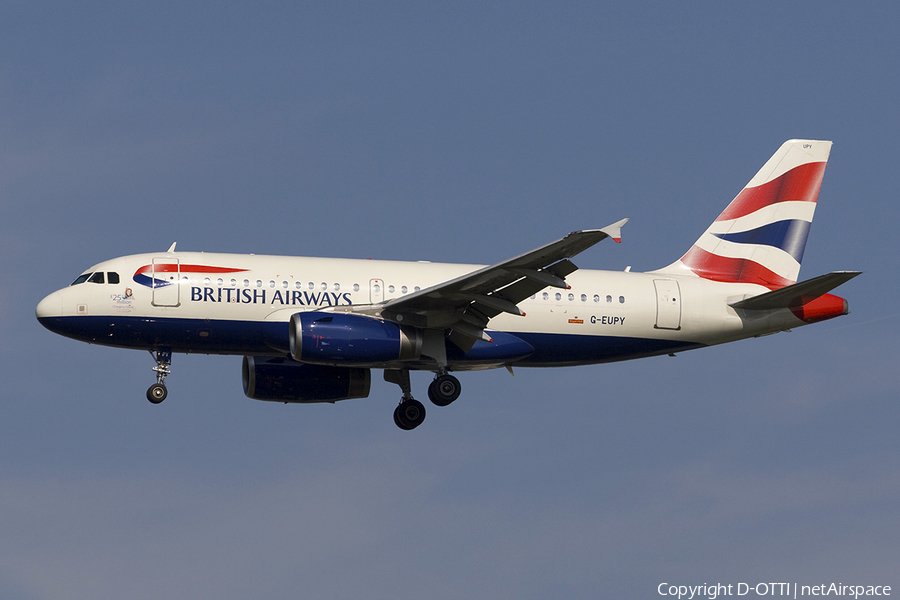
(267, 338)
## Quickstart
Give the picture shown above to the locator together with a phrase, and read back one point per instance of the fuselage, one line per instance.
(192, 302)
(313, 329)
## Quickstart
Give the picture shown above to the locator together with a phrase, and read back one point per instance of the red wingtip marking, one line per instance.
(617, 240)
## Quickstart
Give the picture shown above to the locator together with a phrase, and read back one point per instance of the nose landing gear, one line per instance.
(157, 392)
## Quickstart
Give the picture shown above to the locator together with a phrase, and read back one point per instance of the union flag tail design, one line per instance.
(761, 235)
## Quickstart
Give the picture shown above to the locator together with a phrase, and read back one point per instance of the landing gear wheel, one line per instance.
(409, 414)
(444, 390)
(157, 393)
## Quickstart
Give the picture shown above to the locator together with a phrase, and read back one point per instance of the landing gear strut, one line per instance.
(410, 413)
(157, 392)
(444, 389)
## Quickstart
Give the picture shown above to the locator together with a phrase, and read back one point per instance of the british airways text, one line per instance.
(258, 296)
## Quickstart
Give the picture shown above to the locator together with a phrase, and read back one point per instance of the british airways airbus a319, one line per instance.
(312, 329)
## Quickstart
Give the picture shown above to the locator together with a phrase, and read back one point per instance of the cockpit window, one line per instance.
(112, 277)
(82, 278)
(96, 277)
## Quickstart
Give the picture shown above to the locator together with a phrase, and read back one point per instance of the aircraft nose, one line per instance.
(51, 306)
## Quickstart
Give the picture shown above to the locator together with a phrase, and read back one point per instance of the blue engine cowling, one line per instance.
(339, 338)
(285, 380)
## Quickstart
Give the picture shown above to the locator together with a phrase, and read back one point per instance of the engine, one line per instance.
(285, 380)
(330, 338)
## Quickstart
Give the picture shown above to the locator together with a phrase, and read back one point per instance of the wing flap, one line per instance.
(492, 290)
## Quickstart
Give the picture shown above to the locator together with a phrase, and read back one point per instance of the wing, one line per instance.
(467, 303)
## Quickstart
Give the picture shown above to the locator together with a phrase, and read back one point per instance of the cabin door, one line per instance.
(668, 304)
(165, 276)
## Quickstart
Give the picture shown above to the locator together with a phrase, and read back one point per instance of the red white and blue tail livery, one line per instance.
(760, 237)
(313, 329)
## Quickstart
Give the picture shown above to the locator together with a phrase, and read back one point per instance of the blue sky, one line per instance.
(460, 133)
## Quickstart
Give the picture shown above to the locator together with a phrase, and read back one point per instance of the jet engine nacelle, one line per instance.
(285, 380)
(338, 338)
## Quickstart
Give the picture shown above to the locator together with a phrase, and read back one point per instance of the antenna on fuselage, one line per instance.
(172, 247)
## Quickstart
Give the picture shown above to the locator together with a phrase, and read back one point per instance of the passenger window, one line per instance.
(112, 277)
(96, 277)
(596, 298)
(81, 278)
(621, 299)
(609, 298)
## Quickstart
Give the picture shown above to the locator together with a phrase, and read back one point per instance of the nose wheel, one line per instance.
(157, 392)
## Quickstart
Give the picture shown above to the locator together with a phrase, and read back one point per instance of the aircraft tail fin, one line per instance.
(760, 237)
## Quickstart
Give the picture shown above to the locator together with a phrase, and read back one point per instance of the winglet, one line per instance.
(615, 230)
(172, 247)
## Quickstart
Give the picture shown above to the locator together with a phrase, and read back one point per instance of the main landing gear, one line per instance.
(157, 392)
(444, 389)
(410, 413)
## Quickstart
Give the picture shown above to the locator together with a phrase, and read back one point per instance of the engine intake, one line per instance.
(285, 380)
(338, 338)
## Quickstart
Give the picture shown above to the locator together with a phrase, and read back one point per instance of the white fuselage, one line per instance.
(241, 304)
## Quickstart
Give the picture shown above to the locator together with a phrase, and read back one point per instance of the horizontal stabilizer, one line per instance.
(798, 293)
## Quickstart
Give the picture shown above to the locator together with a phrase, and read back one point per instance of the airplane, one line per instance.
(312, 329)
